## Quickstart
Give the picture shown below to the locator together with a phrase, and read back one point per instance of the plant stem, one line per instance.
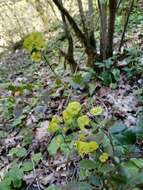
(46, 60)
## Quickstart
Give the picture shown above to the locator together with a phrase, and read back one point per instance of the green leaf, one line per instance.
(21, 152)
(140, 122)
(118, 128)
(129, 169)
(4, 186)
(17, 182)
(126, 137)
(37, 157)
(113, 86)
(88, 164)
(77, 78)
(53, 147)
(95, 180)
(18, 152)
(65, 149)
(27, 166)
(138, 162)
(87, 76)
(53, 187)
(116, 74)
(84, 186)
(14, 176)
(106, 168)
(92, 88)
(79, 186)
(106, 77)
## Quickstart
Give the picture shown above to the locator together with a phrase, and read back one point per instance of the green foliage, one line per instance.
(27, 166)
(53, 187)
(107, 149)
(18, 152)
(133, 62)
(8, 106)
(13, 178)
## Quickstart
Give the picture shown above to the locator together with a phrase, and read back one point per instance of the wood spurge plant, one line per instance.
(99, 148)
(71, 95)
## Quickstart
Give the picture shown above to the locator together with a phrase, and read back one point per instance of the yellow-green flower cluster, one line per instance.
(96, 111)
(82, 137)
(34, 40)
(86, 147)
(36, 56)
(83, 121)
(34, 43)
(72, 110)
(54, 124)
(104, 157)
(58, 140)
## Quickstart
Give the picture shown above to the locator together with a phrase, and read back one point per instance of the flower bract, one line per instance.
(83, 121)
(86, 147)
(96, 111)
(36, 56)
(104, 157)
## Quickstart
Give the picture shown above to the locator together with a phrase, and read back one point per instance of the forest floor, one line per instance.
(30, 95)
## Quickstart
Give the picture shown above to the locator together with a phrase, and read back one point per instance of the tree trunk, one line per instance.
(92, 40)
(103, 29)
(111, 26)
(69, 56)
(90, 51)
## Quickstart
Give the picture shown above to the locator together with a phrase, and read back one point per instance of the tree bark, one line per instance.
(90, 51)
(126, 24)
(82, 16)
(91, 24)
(111, 26)
(75, 27)
(69, 56)
(103, 29)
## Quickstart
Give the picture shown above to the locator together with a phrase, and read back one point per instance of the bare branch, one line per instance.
(126, 24)
(103, 28)
(82, 16)
(91, 23)
(73, 24)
